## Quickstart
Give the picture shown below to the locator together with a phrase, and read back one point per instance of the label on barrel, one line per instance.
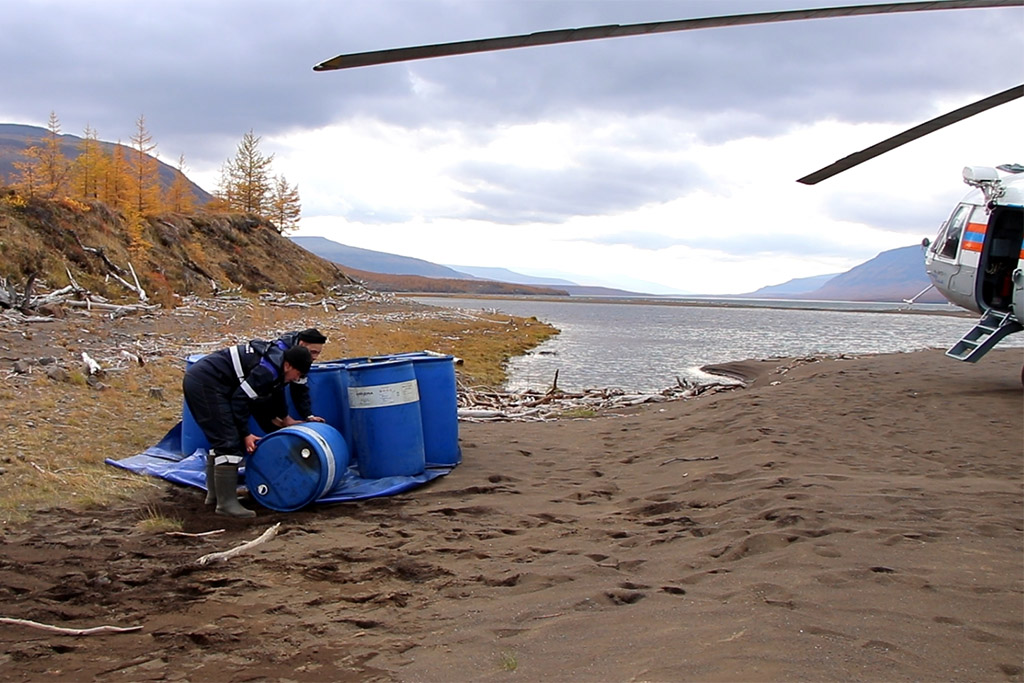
(383, 395)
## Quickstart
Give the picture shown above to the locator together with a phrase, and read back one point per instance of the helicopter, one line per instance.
(976, 261)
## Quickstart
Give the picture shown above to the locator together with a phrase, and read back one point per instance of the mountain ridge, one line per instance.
(892, 275)
(506, 275)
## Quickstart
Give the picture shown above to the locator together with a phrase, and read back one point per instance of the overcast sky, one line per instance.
(656, 163)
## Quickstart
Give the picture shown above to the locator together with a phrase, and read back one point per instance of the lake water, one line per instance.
(645, 347)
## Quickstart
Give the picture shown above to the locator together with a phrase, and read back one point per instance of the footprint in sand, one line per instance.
(555, 519)
(630, 586)
(495, 582)
(753, 545)
(952, 621)
(623, 597)
(508, 632)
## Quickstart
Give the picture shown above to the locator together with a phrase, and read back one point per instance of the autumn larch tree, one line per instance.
(114, 184)
(28, 172)
(245, 180)
(144, 172)
(45, 171)
(179, 197)
(56, 169)
(88, 167)
(285, 207)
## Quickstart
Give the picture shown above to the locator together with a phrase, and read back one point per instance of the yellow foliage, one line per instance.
(14, 200)
(134, 228)
(74, 205)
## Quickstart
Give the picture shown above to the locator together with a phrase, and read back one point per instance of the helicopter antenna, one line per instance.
(912, 134)
(572, 35)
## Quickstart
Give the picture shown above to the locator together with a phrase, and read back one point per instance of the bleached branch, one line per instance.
(69, 631)
(228, 554)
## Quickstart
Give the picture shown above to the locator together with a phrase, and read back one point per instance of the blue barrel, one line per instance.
(294, 466)
(327, 394)
(384, 410)
(439, 406)
(345, 412)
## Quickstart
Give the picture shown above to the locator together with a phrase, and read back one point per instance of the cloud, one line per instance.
(596, 183)
(911, 215)
(230, 66)
(735, 245)
(596, 150)
(884, 68)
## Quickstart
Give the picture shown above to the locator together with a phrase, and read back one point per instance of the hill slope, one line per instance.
(893, 275)
(796, 286)
(173, 254)
(394, 273)
(375, 261)
(388, 282)
(506, 275)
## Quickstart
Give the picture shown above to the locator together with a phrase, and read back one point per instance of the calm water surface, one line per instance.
(645, 347)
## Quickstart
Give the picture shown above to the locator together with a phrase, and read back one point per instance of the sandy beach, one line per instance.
(836, 520)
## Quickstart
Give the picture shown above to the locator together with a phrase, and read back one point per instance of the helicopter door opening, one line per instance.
(1001, 257)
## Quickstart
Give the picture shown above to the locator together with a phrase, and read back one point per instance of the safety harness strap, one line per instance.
(236, 361)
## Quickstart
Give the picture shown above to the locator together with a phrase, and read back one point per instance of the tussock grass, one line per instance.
(155, 522)
(581, 412)
(507, 661)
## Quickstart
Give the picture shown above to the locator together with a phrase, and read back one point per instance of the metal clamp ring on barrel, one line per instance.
(328, 451)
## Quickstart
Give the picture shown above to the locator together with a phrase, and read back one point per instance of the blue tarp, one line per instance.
(166, 461)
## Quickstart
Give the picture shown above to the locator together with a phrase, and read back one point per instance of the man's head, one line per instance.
(296, 363)
(313, 340)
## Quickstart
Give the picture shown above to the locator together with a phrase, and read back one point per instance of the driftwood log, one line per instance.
(228, 554)
(480, 404)
(73, 296)
(483, 404)
(95, 630)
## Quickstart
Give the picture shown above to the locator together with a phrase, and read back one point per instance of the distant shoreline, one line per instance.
(787, 304)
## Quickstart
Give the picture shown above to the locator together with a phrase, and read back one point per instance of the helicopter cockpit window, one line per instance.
(948, 243)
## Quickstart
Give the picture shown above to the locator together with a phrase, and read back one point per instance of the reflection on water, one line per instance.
(645, 347)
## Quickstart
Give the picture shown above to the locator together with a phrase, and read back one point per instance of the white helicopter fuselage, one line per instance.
(977, 259)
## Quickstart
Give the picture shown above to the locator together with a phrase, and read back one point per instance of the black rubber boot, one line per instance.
(225, 482)
(211, 492)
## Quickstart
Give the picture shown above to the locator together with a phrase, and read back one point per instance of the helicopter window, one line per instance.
(949, 243)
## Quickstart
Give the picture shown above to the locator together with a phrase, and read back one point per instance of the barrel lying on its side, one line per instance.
(294, 466)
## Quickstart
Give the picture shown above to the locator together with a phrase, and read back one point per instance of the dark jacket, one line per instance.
(299, 388)
(220, 388)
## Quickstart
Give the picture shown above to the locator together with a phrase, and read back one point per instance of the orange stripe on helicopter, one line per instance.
(974, 236)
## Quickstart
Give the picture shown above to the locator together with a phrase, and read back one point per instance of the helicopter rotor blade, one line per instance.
(571, 35)
(914, 133)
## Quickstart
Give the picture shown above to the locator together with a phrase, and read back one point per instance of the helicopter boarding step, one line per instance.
(992, 327)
